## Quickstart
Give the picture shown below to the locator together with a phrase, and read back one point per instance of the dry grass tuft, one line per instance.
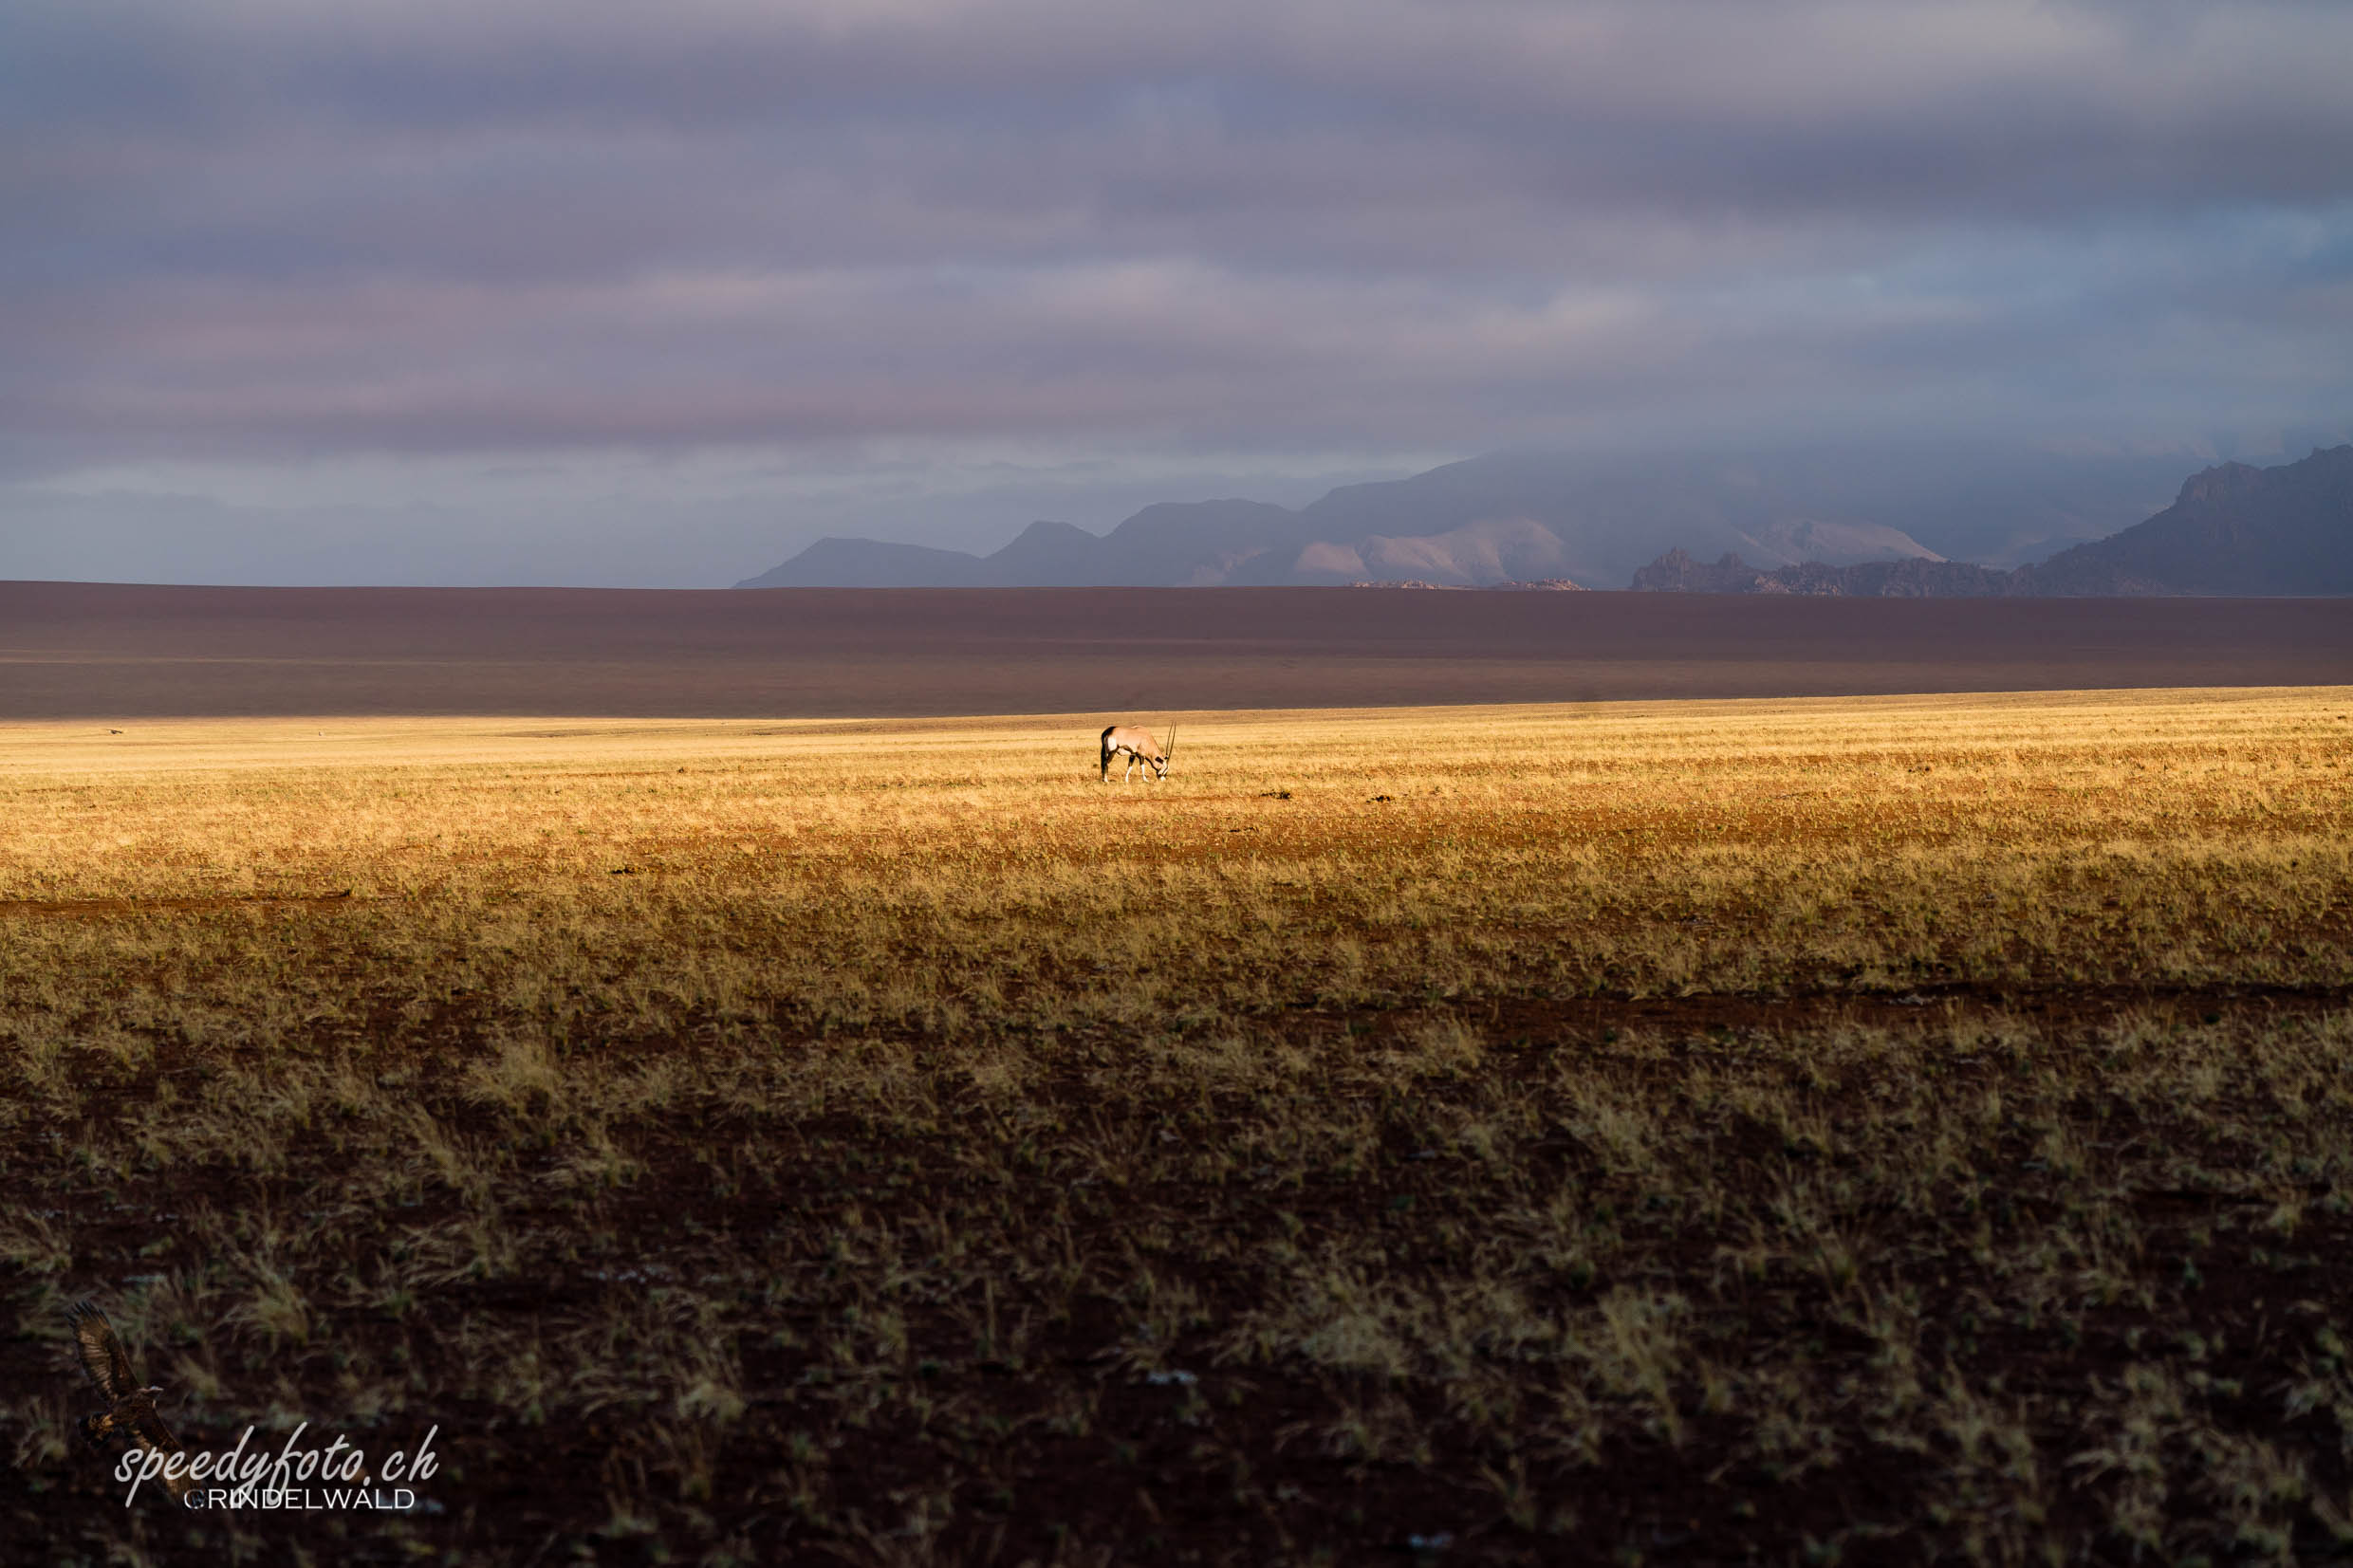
(1701, 1132)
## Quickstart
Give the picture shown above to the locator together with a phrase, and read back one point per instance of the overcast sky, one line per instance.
(578, 291)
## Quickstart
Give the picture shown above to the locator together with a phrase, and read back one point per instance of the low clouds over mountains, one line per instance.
(2234, 530)
(1479, 524)
(1905, 521)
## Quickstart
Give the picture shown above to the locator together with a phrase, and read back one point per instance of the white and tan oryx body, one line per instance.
(1136, 743)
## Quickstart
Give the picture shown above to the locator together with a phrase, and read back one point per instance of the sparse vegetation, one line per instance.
(1789, 1131)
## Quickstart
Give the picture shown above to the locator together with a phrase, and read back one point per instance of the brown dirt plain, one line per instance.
(71, 650)
(1876, 1129)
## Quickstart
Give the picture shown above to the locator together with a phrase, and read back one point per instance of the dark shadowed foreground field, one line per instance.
(1796, 1133)
(79, 650)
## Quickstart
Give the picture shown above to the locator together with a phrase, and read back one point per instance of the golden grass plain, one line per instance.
(1765, 1131)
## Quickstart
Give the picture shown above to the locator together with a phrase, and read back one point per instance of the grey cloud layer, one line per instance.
(434, 226)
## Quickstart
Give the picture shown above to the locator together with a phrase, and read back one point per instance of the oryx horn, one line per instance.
(1170, 755)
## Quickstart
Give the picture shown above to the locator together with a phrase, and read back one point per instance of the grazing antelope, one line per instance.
(1137, 745)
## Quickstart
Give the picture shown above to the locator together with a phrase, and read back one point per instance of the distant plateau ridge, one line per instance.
(1535, 521)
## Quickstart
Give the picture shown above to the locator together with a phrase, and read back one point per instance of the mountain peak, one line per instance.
(2227, 482)
(1815, 524)
(2234, 529)
(2215, 484)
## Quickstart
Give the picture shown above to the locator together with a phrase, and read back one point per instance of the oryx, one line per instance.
(1136, 743)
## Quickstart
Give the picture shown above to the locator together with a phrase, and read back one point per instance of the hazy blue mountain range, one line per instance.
(1892, 516)
(2233, 530)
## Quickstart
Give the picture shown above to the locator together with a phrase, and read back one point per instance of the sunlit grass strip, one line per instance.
(896, 1100)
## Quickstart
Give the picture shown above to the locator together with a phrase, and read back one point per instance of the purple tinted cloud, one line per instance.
(250, 227)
